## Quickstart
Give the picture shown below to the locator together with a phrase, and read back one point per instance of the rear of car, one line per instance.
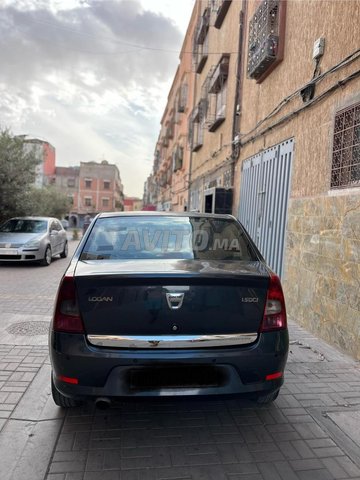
(158, 305)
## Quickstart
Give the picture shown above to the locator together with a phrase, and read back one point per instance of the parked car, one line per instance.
(157, 304)
(30, 239)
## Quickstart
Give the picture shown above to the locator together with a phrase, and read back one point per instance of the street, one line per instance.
(311, 432)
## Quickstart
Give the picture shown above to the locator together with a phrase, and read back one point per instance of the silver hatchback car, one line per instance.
(32, 239)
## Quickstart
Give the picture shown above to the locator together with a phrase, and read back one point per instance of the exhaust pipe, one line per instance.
(102, 403)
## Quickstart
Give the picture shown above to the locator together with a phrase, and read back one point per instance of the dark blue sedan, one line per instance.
(163, 304)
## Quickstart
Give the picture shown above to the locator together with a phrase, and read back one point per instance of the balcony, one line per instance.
(221, 11)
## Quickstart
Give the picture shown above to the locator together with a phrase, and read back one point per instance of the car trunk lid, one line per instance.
(171, 297)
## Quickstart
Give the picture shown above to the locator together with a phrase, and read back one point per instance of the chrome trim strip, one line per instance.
(172, 341)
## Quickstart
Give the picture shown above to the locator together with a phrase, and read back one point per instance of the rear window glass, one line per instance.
(167, 237)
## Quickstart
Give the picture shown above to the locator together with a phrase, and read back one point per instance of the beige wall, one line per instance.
(313, 127)
(322, 255)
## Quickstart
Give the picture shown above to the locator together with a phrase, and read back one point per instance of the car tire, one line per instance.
(268, 398)
(65, 252)
(61, 400)
(45, 262)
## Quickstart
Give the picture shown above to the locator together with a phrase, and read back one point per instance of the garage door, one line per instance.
(264, 193)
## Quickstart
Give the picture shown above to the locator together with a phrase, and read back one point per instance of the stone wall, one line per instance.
(322, 268)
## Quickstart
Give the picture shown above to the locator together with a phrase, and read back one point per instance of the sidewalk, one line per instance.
(311, 432)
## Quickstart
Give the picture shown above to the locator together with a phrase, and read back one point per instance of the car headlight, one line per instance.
(32, 244)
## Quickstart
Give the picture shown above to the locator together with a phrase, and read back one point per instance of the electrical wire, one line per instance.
(136, 46)
(347, 60)
(229, 160)
(318, 99)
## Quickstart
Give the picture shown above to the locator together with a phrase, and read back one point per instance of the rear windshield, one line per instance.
(164, 237)
(19, 225)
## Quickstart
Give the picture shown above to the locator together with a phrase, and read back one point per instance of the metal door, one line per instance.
(264, 193)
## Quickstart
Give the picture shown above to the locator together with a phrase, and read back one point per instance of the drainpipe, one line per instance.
(192, 107)
(239, 84)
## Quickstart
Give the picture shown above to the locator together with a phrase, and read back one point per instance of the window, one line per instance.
(167, 237)
(201, 41)
(266, 38)
(71, 199)
(106, 184)
(88, 201)
(177, 158)
(88, 182)
(182, 99)
(197, 125)
(170, 128)
(105, 202)
(71, 182)
(345, 170)
(217, 89)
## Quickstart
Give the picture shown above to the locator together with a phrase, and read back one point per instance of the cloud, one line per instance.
(90, 79)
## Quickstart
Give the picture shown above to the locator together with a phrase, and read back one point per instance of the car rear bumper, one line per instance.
(110, 372)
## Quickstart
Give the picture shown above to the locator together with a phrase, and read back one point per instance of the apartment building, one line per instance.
(274, 138)
(100, 188)
(171, 169)
(150, 193)
(132, 204)
(93, 187)
(67, 181)
(297, 180)
(215, 44)
(46, 155)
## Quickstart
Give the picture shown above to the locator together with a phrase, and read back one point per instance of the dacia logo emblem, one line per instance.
(174, 300)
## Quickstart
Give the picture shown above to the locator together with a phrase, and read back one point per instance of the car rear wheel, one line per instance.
(65, 252)
(47, 257)
(269, 398)
(61, 400)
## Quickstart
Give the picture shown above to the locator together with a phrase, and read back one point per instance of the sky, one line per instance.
(91, 77)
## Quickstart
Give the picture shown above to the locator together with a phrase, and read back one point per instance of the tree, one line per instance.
(17, 175)
(47, 202)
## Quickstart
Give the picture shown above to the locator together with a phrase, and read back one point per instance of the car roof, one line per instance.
(142, 213)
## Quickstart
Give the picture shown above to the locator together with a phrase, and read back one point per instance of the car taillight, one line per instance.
(275, 312)
(67, 315)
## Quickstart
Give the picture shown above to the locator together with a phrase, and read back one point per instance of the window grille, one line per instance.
(216, 90)
(265, 37)
(183, 93)
(197, 125)
(345, 170)
(177, 158)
